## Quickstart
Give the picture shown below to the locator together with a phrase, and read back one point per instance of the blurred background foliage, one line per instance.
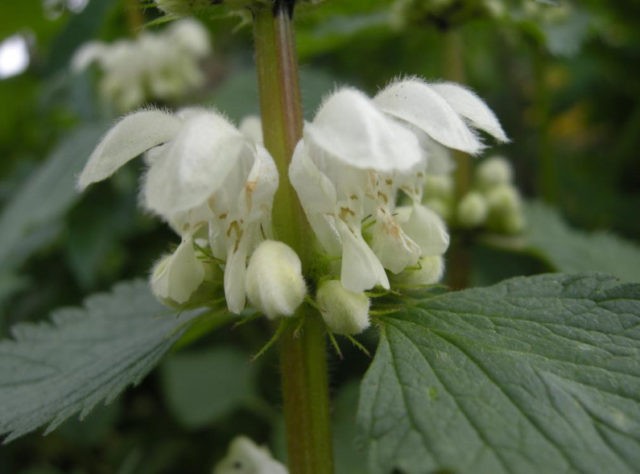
(561, 76)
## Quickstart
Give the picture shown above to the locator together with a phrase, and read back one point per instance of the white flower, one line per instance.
(204, 178)
(358, 153)
(344, 170)
(440, 111)
(155, 66)
(245, 457)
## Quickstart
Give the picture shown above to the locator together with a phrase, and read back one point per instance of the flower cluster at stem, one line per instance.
(161, 66)
(356, 158)
(214, 184)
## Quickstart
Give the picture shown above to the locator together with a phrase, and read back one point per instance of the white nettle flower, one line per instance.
(245, 457)
(205, 179)
(334, 171)
(161, 65)
(358, 153)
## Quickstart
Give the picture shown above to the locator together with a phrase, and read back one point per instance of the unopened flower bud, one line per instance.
(472, 210)
(514, 222)
(175, 277)
(503, 199)
(344, 312)
(274, 281)
(492, 172)
(430, 271)
(438, 186)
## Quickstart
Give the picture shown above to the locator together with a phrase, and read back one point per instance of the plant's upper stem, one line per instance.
(303, 361)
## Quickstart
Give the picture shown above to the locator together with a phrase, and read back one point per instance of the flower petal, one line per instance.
(349, 128)
(234, 278)
(317, 194)
(392, 246)
(260, 187)
(361, 270)
(471, 107)
(425, 228)
(414, 101)
(175, 277)
(196, 164)
(128, 138)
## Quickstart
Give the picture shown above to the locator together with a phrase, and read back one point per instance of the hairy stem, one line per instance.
(303, 351)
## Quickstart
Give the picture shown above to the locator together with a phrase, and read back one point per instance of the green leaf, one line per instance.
(52, 371)
(201, 387)
(29, 219)
(572, 251)
(535, 374)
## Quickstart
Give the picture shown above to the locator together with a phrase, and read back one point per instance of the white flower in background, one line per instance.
(358, 153)
(245, 457)
(156, 66)
(207, 180)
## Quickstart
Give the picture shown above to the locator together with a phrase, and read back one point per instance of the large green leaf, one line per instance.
(572, 251)
(535, 374)
(52, 371)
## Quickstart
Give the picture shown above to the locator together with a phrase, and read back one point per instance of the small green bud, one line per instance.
(514, 223)
(438, 186)
(274, 281)
(492, 172)
(503, 199)
(472, 210)
(344, 312)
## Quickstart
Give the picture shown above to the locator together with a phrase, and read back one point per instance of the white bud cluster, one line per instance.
(494, 201)
(161, 66)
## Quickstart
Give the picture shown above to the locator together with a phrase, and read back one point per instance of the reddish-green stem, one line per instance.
(302, 353)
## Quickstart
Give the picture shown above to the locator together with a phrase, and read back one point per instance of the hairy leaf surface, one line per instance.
(537, 374)
(50, 371)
